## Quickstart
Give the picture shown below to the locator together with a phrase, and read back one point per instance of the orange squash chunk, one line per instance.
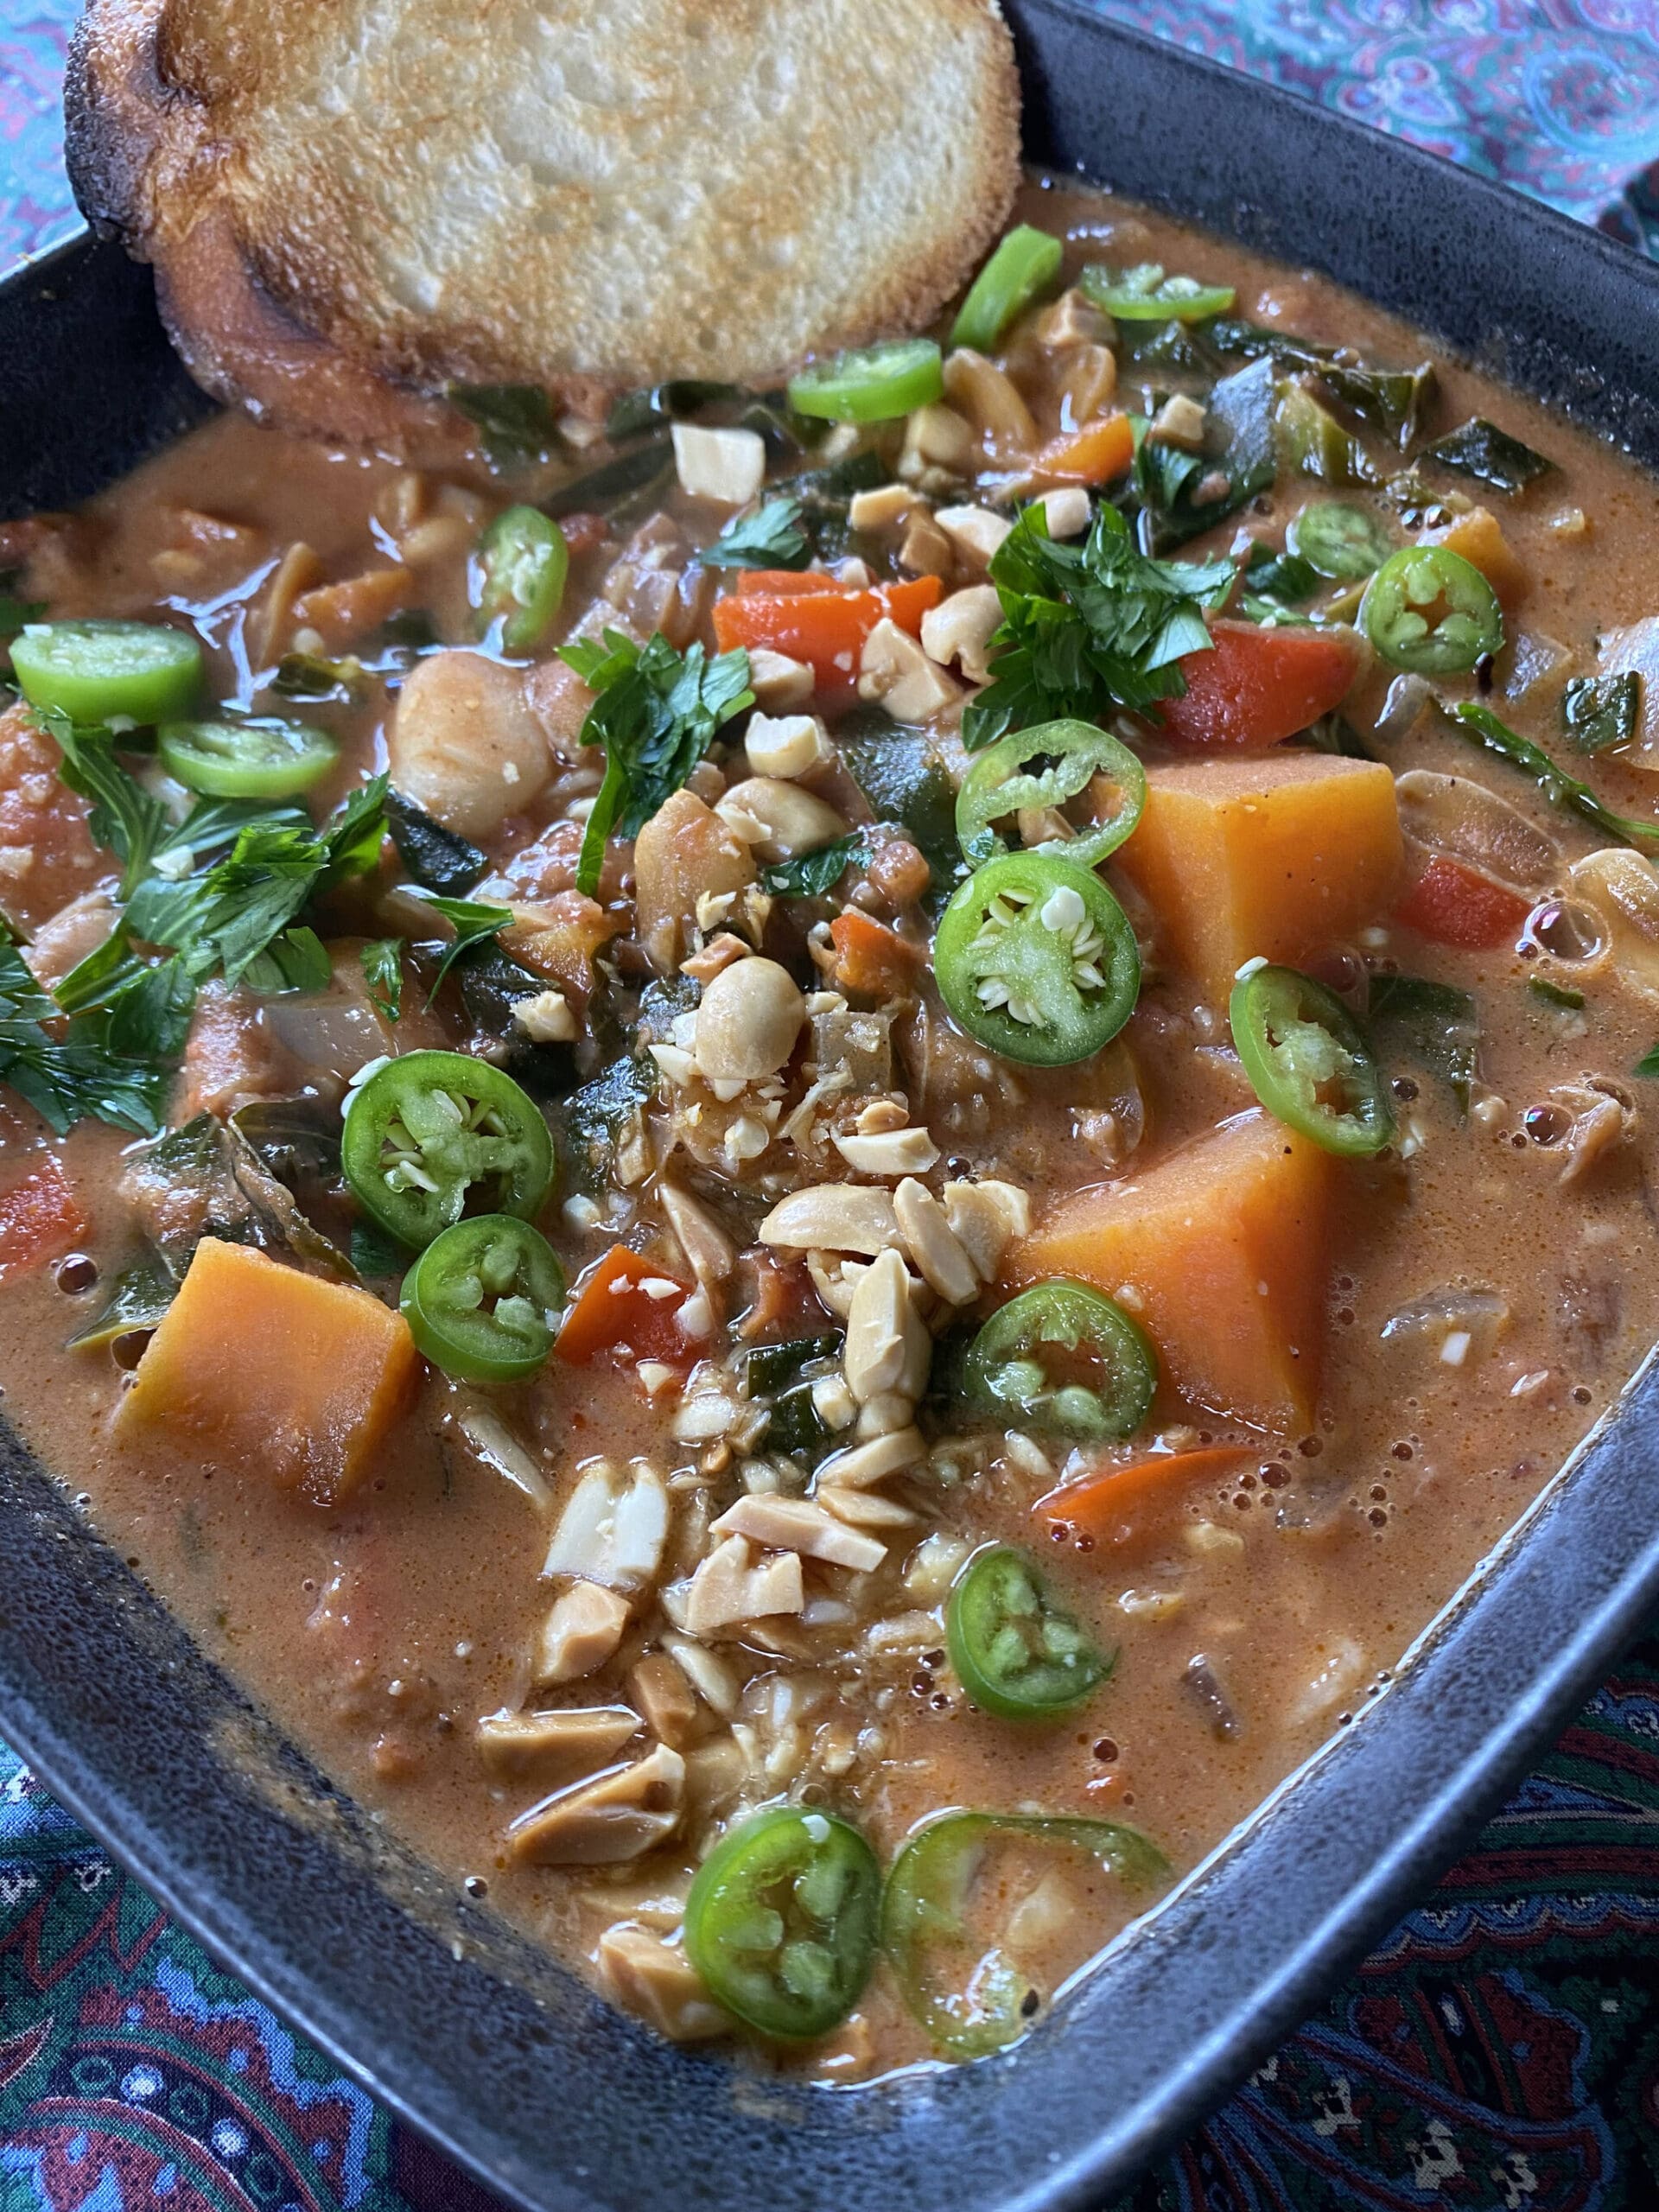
(1479, 536)
(1276, 857)
(1226, 1242)
(256, 1366)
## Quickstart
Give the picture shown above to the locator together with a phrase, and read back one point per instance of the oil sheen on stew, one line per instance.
(811, 1161)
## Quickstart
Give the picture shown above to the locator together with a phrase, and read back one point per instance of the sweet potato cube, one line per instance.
(1479, 536)
(1276, 857)
(1225, 1241)
(257, 1366)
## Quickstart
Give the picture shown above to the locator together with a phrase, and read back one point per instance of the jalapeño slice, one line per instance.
(1309, 1061)
(1430, 612)
(133, 672)
(425, 1132)
(261, 757)
(1010, 1366)
(1036, 959)
(1041, 770)
(518, 577)
(965, 1987)
(1018, 1653)
(782, 1919)
(482, 1301)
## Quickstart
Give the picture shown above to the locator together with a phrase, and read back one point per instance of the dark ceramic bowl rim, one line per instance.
(499, 2058)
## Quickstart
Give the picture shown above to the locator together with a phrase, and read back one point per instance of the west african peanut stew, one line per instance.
(811, 1160)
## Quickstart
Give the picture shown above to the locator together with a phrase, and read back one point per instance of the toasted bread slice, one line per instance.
(350, 206)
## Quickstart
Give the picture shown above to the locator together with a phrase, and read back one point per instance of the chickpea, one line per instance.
(791, 821)
(747, 1023)
(465, 745)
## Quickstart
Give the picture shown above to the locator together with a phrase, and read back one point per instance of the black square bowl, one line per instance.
(503, 2059)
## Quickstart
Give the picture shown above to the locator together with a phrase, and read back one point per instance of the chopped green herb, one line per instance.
(516, 420)
(1598, 712)
(1557, 995)
(1480, 449)
(1483, 725)
(112, 1063)
(1087, 628)
(1283, 576)
(811, 875)
(656, 715)
(124, 816)
(1649, 1063)
(382, 971)
(296, 961)
(138, 1300)
(472, 920)
(768, 537)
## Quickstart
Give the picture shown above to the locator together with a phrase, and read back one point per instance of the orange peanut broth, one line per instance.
(1254, 1608)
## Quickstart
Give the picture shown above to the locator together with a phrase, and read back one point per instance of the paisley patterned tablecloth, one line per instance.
(1499, 2053)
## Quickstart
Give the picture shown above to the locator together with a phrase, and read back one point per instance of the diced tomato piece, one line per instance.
(796, 615)
(1260, 683)
(38, 1221)
(1452, 903)
(871, 957)
(614, 1312)
(1094, 454)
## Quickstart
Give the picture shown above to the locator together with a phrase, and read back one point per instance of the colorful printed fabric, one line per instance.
(1499, 2053)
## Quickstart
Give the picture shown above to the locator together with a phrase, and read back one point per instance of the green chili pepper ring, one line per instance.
(139, 672)
(782, 1921)
(1023, 267)
(261, 757)
(1036, 959)
(480, 1302)
(1047, 767)
(424, 1131)
(518, 575)
(875, 383)
(1005, 1371)
(1017, 1652)
(1299, 1044)
(1346, 543)
(1429, 611)
(984, 2005)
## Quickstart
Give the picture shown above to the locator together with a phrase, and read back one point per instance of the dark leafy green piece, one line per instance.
(1389, 400)
(516, 420)
(309, 675)
(1491, 457)
(906, 782)
(656, 715)
(138, 1301)
(605, 490)
(1598, 712)
(769, 535)
(1649, 1063)
(773, 1375)
(1433, 1025)
(594, 1118)
(681, 398)
(1086, 628)
(436, 858)
(1483, 726)
(1284, 577)
(374, 1256)
(1334, 733)
(811, 875)
(1313, 443)
(382, 971)
(1239, 459)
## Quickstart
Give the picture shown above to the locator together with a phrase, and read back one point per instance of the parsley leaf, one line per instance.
(1087, 628)
(656, 715)
(472, 920)
(770, 536)
(114, 1063)
(296, 961)
(124, 816)
(1649, 1063)
(382, 971)
(811, 876)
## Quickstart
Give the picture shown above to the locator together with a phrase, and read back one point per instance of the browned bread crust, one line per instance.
(349, 204)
